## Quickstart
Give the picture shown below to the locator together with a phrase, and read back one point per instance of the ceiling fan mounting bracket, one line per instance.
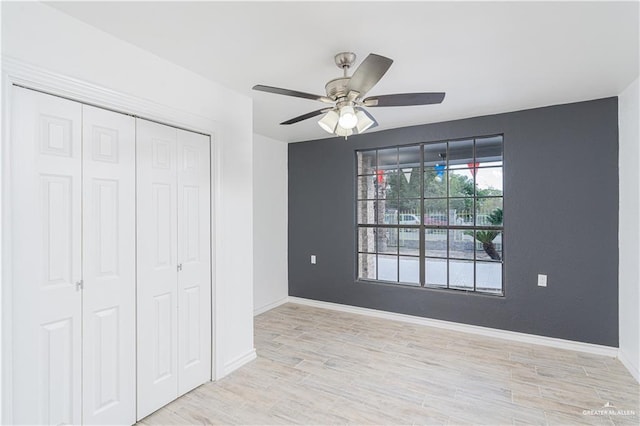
(345, 59)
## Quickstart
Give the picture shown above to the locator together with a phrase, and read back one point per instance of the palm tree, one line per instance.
(486, 237)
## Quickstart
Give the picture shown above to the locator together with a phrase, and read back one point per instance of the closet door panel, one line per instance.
(109, 227)
(46, 258)
(194, 256)
(157, 297)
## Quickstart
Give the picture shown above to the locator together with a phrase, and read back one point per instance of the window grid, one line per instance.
(386, 172)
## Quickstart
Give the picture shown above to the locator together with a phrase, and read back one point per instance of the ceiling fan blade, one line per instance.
(305, 116)
(294, 93)
(404, 99)
(368, 73)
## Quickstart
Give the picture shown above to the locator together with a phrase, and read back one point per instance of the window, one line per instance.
(430, 215)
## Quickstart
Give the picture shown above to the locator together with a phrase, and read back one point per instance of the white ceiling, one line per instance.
(489, 57)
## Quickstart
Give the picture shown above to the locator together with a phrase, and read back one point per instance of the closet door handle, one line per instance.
(179, 267)
(79, 285)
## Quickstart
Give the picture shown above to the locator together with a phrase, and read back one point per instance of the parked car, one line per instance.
(409, 219)
(435, 219)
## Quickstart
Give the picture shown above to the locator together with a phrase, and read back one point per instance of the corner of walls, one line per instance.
(630, 364)
(270, 223)
(629, 228)
(234, 245)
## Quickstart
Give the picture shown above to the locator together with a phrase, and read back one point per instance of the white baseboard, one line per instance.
(626, 361)
(465, 328)
(238, 362)
(270, 306)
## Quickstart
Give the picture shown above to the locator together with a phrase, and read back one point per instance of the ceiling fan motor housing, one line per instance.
(337, 88)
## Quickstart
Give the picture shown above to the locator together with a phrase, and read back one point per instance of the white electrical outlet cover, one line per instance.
(542, 280)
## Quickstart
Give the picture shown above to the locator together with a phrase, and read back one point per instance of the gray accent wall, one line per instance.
(560, 219)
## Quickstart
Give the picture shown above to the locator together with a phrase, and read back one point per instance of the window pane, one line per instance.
(435, 241)
(367, 187)
(436, 272)
(435, 154)
(390, 186)
(461, 211)
(461, 274)
(409, 172)
(460, 154)
(409, 178)
(367, 240)
(461, 183)
(410, 270)
(387, 240)
(409, 241)
(489, 245)
(489, 211)
(489, 181)
(388, 158)
(489, 150)
(388, 212)
(409, 156)
(366, 162)
(366, 212)
(489, 277)
(461, 244)
(388, 268)
(435, 183)
(435, 212)
(367, 266)
(409, 211)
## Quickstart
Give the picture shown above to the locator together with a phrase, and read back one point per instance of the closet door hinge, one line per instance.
(79, 285)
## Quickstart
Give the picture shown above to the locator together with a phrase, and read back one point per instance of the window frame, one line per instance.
(422, 227)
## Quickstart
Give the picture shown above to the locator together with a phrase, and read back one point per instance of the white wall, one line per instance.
(629, 233)
(39, 35)
(270, 283)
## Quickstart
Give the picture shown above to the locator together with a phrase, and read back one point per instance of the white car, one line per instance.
(409, 219)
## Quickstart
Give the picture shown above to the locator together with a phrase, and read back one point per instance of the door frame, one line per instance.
(18, 73)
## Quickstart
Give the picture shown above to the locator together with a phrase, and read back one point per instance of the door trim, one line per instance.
(18, 73)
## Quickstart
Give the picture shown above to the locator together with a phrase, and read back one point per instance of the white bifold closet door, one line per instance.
(72, 309)
(174, 269)
(46, 179)
(109, 268)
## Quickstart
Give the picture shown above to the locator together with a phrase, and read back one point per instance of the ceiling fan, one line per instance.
(347, 114)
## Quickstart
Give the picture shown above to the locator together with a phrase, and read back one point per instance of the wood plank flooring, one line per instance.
(317, 366)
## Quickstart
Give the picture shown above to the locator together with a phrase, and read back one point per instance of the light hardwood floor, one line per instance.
(317, 366)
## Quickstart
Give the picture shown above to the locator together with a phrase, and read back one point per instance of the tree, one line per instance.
(404, 188)
(486, 237)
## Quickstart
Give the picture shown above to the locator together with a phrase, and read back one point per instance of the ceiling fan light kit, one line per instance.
(341, 131)
(329, 121)
(365, 121)
(348, 115)
(348, 118)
